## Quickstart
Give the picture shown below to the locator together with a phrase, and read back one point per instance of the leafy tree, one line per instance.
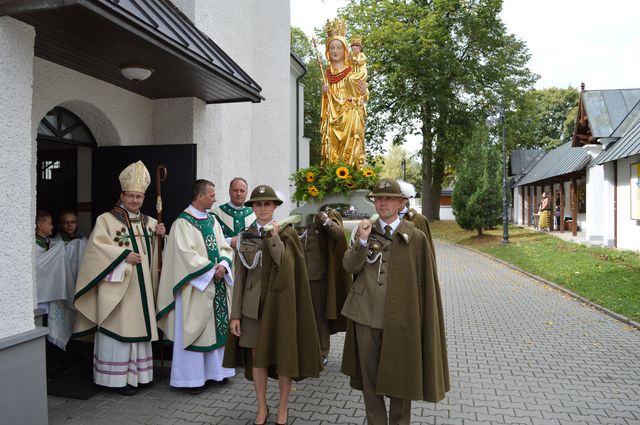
(476, 199)
(437, 69)
(302, 46)
(543, 118)
(393, 167)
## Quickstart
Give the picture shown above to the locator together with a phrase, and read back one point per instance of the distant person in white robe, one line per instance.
(55, 283)
(68, 227)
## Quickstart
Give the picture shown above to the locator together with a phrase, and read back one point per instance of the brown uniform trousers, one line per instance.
(315, 255)
(367, 311)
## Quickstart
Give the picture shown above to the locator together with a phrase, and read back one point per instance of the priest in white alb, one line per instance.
(114, 294)
(194, 294)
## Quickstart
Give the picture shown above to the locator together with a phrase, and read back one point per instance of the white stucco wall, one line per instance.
(249, 140)
(608, 205)
(115, 116)
(516, 195)
(17, 211)
(446, 213)
(628, 230)
(297, 157)
(188, 7)
(173, 121)
(596, 204)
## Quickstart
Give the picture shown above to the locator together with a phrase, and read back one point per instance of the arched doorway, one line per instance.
(64, 142)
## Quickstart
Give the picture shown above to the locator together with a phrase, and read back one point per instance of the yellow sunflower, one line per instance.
(310, 177)
(350, 184)
(368, 172)
(342, 172)
(313, 191)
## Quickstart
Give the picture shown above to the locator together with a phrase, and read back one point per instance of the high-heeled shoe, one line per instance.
(285, 422)
(265, 418)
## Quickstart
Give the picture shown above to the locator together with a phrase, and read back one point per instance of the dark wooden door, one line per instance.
(57, 183)
(180, 161)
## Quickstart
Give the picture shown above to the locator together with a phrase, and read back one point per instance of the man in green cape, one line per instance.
(324, 245)
(395, 343)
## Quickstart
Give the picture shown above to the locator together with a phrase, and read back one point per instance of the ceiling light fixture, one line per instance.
(135, 72)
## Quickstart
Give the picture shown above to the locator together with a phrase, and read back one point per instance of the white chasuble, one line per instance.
(193, 308)
(116, 299)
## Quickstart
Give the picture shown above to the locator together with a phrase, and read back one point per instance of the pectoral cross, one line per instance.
(138, 233)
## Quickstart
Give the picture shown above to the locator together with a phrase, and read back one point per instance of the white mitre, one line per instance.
(135, 178)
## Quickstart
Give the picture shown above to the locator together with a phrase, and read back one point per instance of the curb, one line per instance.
(572, 294)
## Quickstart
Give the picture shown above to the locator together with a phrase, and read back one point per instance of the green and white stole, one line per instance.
(220, 308)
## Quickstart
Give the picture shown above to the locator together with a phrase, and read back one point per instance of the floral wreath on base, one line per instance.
(315, 182)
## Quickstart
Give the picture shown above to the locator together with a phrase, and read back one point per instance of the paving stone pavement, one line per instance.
(520, 352)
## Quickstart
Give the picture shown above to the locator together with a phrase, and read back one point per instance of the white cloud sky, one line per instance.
(571, 41)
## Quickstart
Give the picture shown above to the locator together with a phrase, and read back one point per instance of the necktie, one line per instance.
(387, 231)
(262, 231)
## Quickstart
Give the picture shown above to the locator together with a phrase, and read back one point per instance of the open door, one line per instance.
(180, 161)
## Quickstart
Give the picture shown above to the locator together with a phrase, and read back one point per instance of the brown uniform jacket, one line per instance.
(288, 343)
(422, 223)
(324, 248)
(413, 359)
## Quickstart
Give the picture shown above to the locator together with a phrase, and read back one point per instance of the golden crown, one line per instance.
(356, 41)
(135, 178)
(336, 28)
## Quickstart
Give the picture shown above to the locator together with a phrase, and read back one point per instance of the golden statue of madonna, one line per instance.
(344, 94)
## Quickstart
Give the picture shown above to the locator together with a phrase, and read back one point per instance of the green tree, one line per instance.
(543, 118)
(437, 68)
(393, 167)
(303, 48)
(476, 200)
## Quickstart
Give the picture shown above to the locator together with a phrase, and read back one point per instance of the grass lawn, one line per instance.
(605, 276)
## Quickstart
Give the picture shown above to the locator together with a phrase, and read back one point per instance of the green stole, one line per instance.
(238, 219)
(125, 237)
(220, 308)
(122, 215)
(42, 242)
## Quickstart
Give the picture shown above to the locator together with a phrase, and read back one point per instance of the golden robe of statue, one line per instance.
(343, 107)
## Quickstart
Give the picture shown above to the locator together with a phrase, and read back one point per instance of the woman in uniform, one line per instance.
(273, 332)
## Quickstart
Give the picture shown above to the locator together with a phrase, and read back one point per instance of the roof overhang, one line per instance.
(97, 37)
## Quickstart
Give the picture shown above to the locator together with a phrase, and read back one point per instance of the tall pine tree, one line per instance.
(477, 202)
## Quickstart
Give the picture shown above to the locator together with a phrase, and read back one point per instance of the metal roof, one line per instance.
(97, 37)
(627, 146)
(560, 161)
(607, 109)
(629, 121)
(521, 158)
(540, 153)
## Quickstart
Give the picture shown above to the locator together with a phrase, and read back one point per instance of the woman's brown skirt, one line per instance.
(249, 331)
